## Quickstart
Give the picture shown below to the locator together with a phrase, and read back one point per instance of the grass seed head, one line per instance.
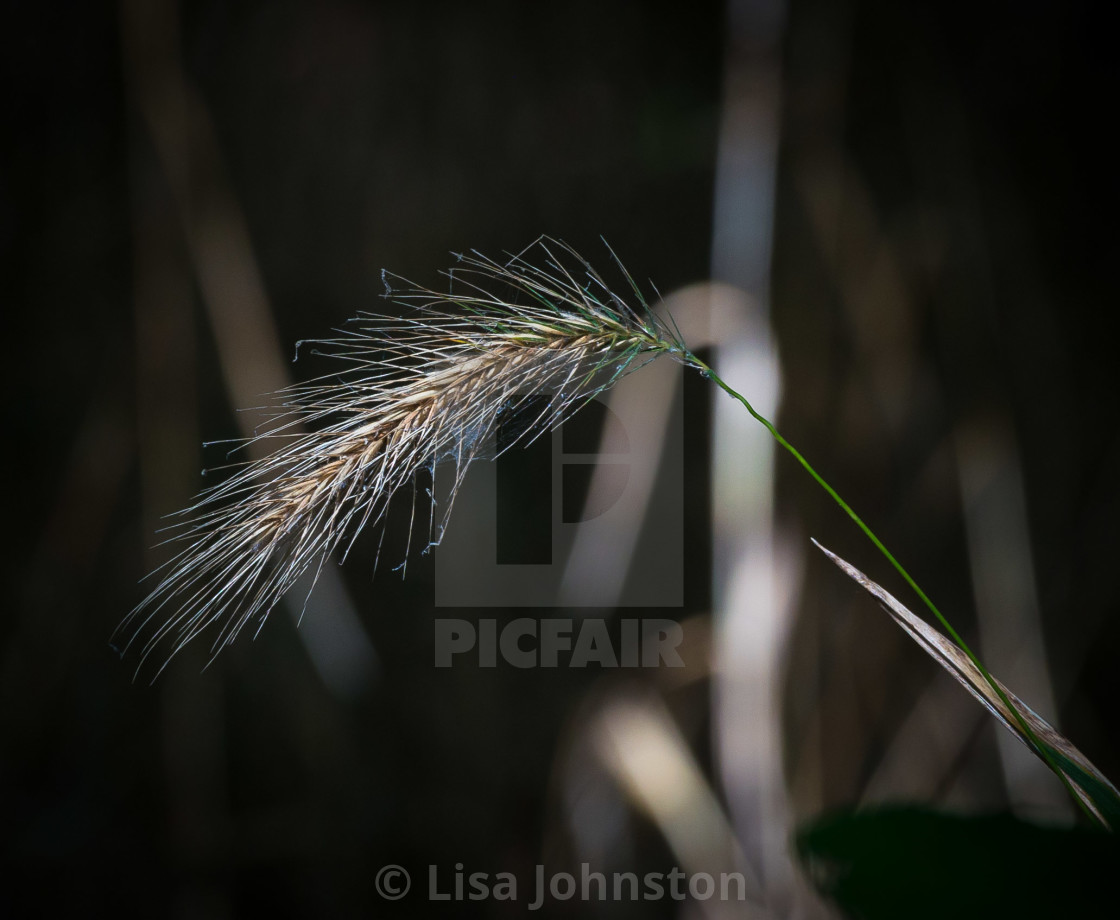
(409, 392)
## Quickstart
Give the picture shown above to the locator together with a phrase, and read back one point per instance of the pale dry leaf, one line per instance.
(1091, 786)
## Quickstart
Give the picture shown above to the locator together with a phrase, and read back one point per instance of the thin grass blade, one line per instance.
(1093, 788)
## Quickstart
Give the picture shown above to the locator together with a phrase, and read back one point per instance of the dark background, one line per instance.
(968, 146)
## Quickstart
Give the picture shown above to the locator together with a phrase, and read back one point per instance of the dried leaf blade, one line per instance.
(1091, 786)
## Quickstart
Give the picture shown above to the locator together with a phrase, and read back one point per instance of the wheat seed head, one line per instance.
(409, 392)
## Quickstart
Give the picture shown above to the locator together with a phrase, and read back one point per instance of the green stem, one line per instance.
(1039, 747)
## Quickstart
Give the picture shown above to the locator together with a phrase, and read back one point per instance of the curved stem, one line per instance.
(1037, 745)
